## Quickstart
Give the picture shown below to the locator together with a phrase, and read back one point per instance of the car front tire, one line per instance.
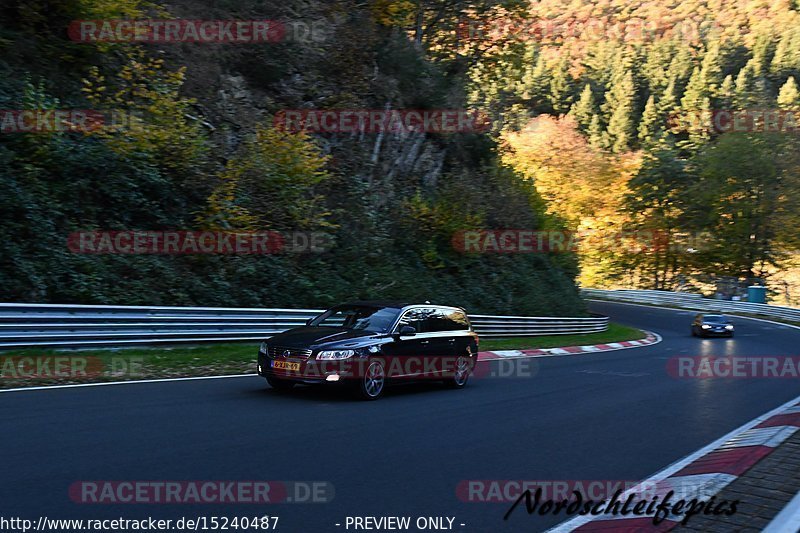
(371, 385)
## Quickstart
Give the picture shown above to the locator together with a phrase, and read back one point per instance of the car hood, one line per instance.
(324, 337)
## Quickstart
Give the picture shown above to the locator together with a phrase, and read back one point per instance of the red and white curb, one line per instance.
(703, 473)
(651, 338)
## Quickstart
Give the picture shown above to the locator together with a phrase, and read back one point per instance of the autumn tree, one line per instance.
(270, 185)
(580, 184)
(789, 96)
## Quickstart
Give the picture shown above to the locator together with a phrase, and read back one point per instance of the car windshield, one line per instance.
(715, 318)
(359, 317)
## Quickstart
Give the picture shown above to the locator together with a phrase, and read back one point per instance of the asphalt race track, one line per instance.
(608, 416)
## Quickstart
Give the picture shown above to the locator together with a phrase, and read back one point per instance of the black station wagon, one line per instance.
(366, 344)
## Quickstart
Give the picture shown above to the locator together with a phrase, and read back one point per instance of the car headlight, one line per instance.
(729, 327)
(705, 326)
(336, 354)
(263, 348)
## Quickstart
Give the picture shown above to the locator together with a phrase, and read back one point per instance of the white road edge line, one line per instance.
(131, 382)
(164, 380)
(573, 523)
(788, 520)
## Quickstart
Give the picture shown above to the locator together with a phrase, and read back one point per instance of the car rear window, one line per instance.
(453, 320)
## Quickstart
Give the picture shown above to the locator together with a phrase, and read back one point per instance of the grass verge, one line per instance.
(63, 367)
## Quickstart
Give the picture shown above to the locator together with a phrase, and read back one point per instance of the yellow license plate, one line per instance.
(285, 365)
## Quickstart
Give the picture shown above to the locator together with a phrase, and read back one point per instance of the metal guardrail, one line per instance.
(80, 326)
(520, 326)
(695, 302)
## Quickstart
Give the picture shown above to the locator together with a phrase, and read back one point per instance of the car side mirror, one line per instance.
(406, 331)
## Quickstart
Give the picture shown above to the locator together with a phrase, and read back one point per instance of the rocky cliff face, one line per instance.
(390, 201)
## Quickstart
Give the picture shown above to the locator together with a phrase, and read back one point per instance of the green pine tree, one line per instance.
(649, 126)
(680, 67)
(711, 69)
(656, 63)
(538, 84)
(726, 94)
(621, 102)
(696, 109)
(745, 89)
(696, 94)
(786, 60)
(597, 136)
(669, 99)
(789, 96)
(763, 54)
(585, 109)
(528, 81)
(700, 125)
(560, 94)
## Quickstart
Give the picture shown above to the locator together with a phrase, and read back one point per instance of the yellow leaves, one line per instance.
(93, 86)
(270, 184)
(145, 90)
(108, 9)
(577, 180)
(437, 221)
(581, 184)
(223, 213)
(295, 153)
(393, 12)
(444, 216)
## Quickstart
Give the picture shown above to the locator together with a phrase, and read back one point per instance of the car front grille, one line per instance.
(281, 352)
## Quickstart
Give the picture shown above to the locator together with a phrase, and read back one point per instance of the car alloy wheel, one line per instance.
(373, 382)
(461, 372)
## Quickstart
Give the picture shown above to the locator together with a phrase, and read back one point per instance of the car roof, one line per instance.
(379, 303)
(396, 304)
